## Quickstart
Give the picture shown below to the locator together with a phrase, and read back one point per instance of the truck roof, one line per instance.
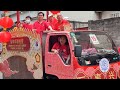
(87, 31)
(73, 31)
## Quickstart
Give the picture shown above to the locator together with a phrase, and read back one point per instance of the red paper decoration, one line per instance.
(55, 12)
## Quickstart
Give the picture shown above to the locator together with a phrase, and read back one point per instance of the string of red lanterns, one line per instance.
(5, 22)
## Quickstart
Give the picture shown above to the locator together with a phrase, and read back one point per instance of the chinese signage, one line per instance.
(94, 39)
(19, 44)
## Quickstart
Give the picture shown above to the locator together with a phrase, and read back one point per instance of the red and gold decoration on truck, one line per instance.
(98, 75)
(5, 22)
(111, 74)
(80, 74)
(27, 44)
(5, 36)
(102, 71)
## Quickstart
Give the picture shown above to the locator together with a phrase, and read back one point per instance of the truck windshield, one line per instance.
(94, 43)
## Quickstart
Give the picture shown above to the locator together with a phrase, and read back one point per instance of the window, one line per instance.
(52, 41)
(59, 44)
(115, 15)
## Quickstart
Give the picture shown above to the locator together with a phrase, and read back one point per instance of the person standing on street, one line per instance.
(52, 21)
(27, 24)
(41, 25)
(62, 24)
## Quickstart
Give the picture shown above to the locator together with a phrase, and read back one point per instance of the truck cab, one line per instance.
(93, 55)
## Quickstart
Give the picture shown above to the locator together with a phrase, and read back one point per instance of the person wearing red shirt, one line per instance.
(62, 23)
(41, 25)
(27, 23)
(52, 21)
(62, 48)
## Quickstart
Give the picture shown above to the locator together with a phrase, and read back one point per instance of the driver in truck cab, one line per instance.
(62, 48)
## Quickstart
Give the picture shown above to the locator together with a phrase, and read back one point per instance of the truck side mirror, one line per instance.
(119, 50)
(77, 50)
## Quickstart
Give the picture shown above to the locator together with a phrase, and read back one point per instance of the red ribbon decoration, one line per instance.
(55, 12)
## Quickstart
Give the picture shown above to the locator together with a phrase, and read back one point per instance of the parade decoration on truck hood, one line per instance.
(24, 43)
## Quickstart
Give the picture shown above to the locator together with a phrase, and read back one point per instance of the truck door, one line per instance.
(54, 62)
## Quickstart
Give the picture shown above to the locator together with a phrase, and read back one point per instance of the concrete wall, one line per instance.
(83, 16)
(111, 26)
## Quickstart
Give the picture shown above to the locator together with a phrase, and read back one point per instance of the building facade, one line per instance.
(78, 19)
(109, 21)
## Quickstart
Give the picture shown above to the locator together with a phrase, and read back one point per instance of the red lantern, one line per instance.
(55, 12)
(6, 22)
(5, 37)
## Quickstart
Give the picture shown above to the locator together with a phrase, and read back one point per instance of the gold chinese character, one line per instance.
(11, 42)
(21, 41)
(18, 41)
(97, 76)
(111, 75)
(14, 41)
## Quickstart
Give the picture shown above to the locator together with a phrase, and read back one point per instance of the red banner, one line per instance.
(19, 44)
